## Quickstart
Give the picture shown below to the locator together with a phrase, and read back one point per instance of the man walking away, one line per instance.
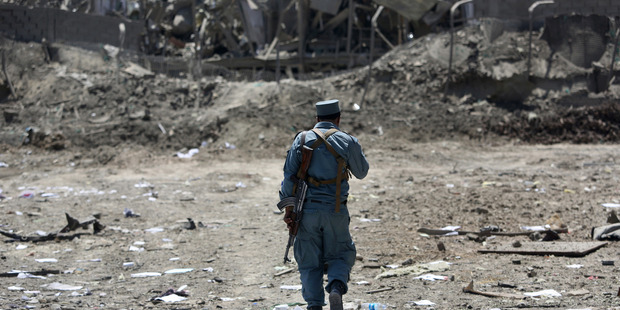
(323, 244)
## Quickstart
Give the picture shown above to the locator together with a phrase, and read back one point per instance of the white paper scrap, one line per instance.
(369, 220)
(189, 153)
(178, 270)
(535, 228)
(171, 298)
(15, 288)
(611, 205)
(46, 260)
(424, 302)
(544, 293)
(574, 266)
(145, 274)
(431, 277)
(63, 287)
(24, 275)
(290, 287)
(451, 228)
(135, 249)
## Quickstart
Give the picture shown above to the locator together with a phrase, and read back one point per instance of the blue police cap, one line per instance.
(328, 107)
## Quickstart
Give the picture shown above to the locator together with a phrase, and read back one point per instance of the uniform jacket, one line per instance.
(324, 165)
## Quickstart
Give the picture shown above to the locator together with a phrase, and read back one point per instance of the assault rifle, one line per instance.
(300, 196)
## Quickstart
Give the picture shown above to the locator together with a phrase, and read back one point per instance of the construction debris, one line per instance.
(572, 249)
(72, 225)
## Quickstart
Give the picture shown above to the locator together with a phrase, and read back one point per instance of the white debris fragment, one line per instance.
(178, 270)
(154, 230)
(135, 249)
(424, 302)
(544, 293)
(536, 228)
(62, 287)
(171, 298)
(189, 153)
(431, 277)
(611, 205)
(145, 274)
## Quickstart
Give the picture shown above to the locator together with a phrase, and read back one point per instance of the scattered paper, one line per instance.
(369, 220)
(574, 266)
(431, 277)
(424, 302)
(46, 260)
(145, 274)
(62, 287)
(611, 205)
(451, 228)
(154, 230)
(290, 287)
(24, 275)
(544, 293)
(178, 270)
(536, 228)
(171, 298)
(189, 153)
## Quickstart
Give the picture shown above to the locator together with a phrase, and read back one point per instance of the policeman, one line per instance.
(323, 243)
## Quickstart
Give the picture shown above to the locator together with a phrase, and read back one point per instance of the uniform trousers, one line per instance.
(323, 245)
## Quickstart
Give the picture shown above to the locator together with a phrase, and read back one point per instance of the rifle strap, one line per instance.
(302, 142)
(342, 172)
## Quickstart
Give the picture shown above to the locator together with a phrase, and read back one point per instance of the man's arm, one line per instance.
(357, 160)
(291, 166)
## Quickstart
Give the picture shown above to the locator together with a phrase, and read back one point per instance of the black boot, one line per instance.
(315, 308)
(335, 295)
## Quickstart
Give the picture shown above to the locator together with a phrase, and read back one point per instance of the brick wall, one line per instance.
(24, 24)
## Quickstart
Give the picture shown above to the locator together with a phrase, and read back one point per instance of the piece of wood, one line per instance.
(440, 232)
(8, 79)
(380, 290)
(572, 249)
(470, 289)
(285, 271)
(42, 272)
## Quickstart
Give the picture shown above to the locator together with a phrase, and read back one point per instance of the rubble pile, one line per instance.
(96, 101)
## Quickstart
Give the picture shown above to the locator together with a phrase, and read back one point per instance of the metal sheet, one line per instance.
(326, 6)
(411, 9)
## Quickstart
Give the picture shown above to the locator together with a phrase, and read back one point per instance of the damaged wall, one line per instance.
(25, 24)
(517, 9)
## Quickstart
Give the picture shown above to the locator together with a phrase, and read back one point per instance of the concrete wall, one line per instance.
(34, 24)
(517, 9)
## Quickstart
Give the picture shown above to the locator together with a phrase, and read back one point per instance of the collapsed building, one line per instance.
(302, 38)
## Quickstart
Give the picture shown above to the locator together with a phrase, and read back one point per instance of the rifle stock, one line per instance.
(300, 195)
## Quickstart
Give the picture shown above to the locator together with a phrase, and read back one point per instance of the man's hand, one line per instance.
(289, 218)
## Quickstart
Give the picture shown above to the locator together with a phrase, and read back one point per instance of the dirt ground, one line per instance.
(103, 142)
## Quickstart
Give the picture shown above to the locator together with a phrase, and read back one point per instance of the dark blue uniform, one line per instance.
(323, 238)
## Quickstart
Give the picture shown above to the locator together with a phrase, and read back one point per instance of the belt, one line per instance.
(325, 203)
